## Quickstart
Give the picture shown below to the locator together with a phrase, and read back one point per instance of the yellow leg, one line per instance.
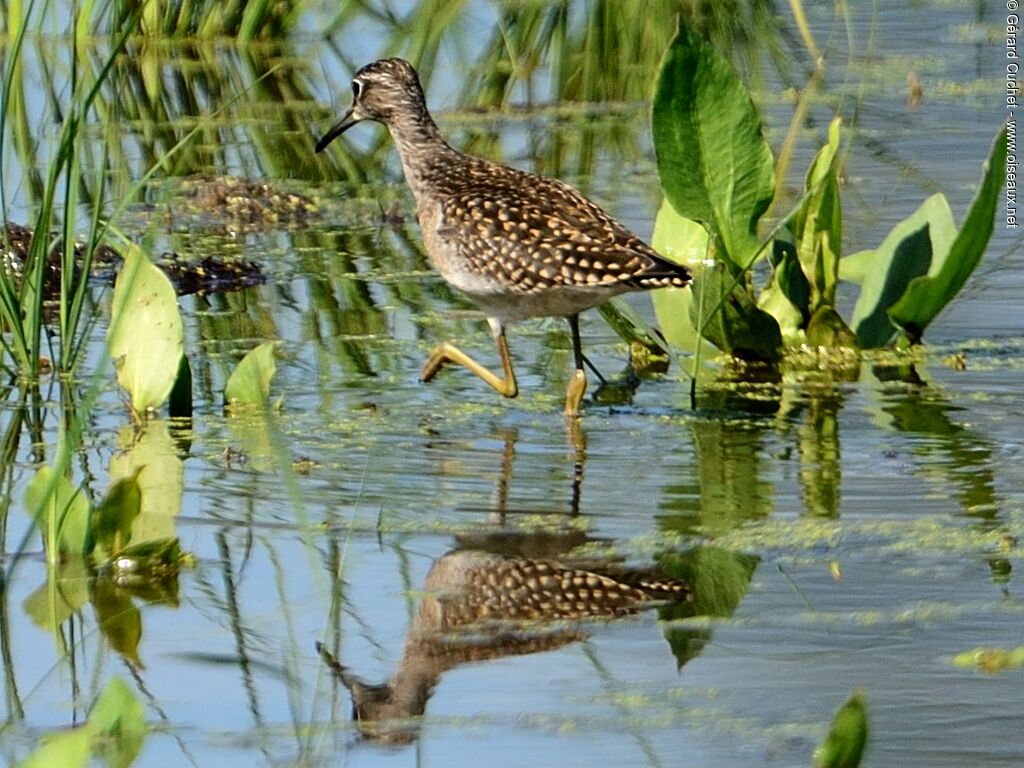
(578, 383)
(447, 352)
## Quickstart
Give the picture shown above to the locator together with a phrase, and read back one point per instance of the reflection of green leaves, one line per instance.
(146, 335)
(65, 591)
(718, 578)
(714, 164)
(116, 729)
(59, 508)
(731, 320)
(113, 517)
(151, 454)
(249, 384)
(844, 745)
(118, 718)
(118, 618)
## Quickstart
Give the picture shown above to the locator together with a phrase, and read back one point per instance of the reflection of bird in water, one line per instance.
(482, 606)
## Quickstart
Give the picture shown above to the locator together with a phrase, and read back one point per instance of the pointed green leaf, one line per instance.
(847, 738)
(951, 265)
(51, 497)
(249, 384)
(818, 224)
(146, 335)
(905, 253)
(731, 320)
(714, 164)
(180, 403)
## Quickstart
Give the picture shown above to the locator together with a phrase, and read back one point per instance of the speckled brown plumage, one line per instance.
(474, 587)
(518, 244)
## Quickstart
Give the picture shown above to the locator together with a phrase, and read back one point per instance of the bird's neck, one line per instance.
(423, 151)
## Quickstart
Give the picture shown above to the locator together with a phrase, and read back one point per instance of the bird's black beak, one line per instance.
(337, 129)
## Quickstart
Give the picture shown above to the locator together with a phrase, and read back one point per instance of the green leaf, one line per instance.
(731, 320)
(146, 335)
(714, 164)
(905, 253)
(249, 384)
(69, 749)
(818, 224)
(856, 267)
(827, 329)
(119, 721)
(180, 403)
(683, 241)
(951, 265)
(844, 745)
(116, 729)
(56, 505)
(787, 295)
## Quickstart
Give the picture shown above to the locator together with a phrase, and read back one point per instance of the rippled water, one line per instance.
(841, 534)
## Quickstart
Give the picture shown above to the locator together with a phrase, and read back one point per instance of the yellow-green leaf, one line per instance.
(249, 384)
(146, 335)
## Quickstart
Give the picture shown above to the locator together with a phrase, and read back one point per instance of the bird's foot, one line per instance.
(574, 393)
(446, 352)
(436, 360)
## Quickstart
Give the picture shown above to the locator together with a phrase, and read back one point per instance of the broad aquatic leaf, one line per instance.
(52, 497)
(713, 161)
(952, 264)
(119, 721)
(683, 241)
(905, 253)
(728, 317)
(249, 384)
(146, 335)
(847, 738)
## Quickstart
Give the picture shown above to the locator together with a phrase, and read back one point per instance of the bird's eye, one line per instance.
(357, 88)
